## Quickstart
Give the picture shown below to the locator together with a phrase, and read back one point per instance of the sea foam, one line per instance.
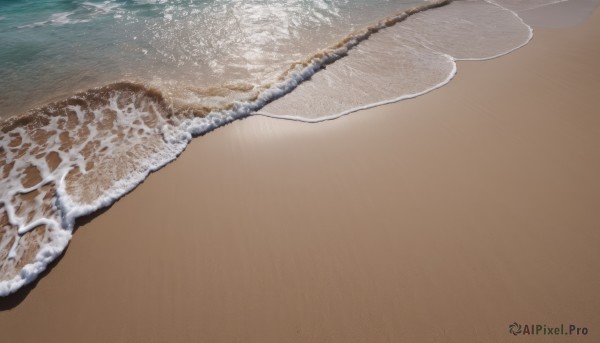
(70, 158)
(412, 59)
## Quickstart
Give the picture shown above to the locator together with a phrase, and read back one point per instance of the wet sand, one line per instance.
(443, 218)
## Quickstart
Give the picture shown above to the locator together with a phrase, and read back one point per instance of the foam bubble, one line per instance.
(73, 157)
(69, 159)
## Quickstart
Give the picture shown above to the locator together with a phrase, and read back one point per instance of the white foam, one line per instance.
(107, 134)
(85, 14)
(105, 7)
(380, 71)
(140, 140)
(73, 201)
(524, 5)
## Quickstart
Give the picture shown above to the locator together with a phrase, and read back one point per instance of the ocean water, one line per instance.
(95, 95)
(51, 49)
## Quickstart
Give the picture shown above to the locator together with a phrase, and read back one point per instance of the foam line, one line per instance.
(360, 108)
(429, 46)
(50, 157)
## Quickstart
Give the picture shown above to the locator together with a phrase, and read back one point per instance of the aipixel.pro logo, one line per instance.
(517, 329)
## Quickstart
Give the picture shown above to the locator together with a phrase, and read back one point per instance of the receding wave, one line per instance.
(412, 59)
(70, 158)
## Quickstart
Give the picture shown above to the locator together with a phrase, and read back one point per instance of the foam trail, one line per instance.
(70, 158)
(91, 149)
(405, 61)
(518, 5)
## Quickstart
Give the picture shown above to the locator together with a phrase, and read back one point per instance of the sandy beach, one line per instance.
(443, 218)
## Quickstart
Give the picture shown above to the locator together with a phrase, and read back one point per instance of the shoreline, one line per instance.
(443, 217)
(89, 137)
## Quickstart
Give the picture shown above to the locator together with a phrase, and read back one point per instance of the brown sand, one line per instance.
(439, 219)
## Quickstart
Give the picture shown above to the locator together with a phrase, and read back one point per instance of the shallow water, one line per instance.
(166, 71)
(51, 49)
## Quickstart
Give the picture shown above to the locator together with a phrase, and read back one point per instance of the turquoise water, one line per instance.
(50, 49)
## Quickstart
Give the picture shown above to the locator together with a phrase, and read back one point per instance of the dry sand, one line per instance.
(439, 219)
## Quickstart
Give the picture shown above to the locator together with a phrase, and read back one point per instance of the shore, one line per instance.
(443, 218)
